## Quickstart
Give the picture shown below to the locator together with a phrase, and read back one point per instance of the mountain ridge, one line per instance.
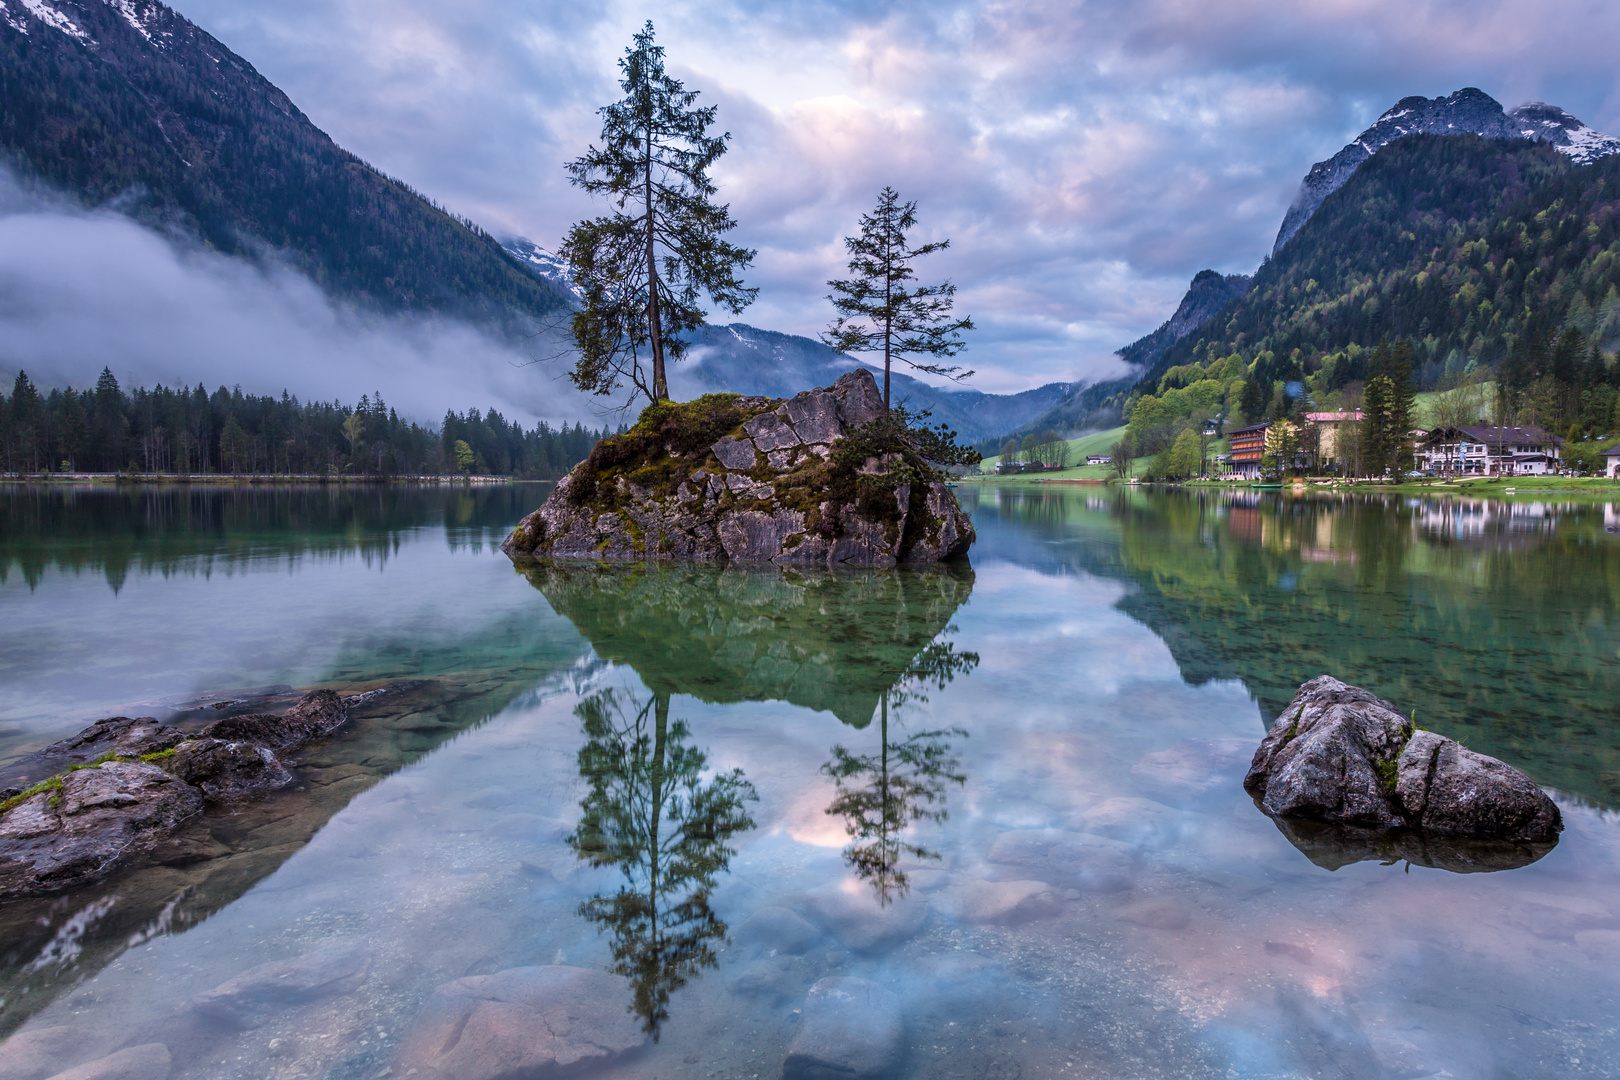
(128, 103)
(1469, 111)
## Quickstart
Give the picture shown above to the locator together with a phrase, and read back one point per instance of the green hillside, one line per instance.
(1463, 246)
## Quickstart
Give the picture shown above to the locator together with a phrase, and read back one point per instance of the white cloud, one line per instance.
(1086, 159)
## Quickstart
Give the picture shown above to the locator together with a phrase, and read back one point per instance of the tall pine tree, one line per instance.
(642, 273)
(1386, 444)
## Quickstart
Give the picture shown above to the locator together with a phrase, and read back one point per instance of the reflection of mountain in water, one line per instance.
(1499, 623)
(832, 640)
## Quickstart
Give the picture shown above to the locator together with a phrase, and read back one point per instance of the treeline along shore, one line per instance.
(228, 435)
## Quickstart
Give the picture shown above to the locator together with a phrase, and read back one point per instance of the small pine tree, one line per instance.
(879, 312)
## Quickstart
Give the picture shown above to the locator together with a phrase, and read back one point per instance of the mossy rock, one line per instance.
(826, 476)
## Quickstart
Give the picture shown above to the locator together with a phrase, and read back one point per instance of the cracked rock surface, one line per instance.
(1341, 756)
(774, 482)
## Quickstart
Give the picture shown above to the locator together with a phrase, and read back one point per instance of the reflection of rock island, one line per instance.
(827, 639)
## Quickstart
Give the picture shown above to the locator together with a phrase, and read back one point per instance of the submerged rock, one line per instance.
(336, 967)
(851, 1028)
(529, 1021)
(1342, 757)
(149, 1061)
(76, 825)
(317, 713)
(817, 478)
(862, 922)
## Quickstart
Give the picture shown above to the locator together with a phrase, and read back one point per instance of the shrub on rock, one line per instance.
(828, 476)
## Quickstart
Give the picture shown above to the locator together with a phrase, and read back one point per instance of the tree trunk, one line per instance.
(660, 741)
(888, 319)
(660, 389)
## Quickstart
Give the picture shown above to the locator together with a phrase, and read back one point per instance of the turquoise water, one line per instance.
(1009, 792)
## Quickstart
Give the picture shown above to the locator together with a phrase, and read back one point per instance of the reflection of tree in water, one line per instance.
(880, 795)
(650, 814)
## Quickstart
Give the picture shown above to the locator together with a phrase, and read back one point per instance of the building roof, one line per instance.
(1613, 451)
(1334, 417)
(1250, 430)
(1494, 435)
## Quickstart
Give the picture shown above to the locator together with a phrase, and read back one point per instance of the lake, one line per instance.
(1007, 794)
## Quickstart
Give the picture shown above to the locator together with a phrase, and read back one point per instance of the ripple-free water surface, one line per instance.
(1010, 793)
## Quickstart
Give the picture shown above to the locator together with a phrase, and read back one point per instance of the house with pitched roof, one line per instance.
(1482, 450)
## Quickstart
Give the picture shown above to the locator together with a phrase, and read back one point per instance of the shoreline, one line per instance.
(1598, 486)
(240, 479)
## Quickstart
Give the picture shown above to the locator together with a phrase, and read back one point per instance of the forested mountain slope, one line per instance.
(1462, 245)
(1469, 111)
(126, 102)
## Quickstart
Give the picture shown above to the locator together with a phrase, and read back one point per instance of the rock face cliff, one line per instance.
(822, 477)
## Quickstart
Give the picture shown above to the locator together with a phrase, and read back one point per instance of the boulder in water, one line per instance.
(851, 1030)
(1343, 757)
(528, 1021)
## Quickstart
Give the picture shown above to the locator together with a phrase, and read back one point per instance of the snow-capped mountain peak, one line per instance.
(542, 263)
(1549, 123)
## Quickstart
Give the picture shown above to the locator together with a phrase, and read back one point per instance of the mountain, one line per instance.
(1209, 294)
(747, 360)
(752, 361)
(1095, 404)
(126, 103)
(1461, 245)
(1468, 111)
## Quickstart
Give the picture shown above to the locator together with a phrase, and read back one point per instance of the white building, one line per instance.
(1479, 450)
(1611, 462)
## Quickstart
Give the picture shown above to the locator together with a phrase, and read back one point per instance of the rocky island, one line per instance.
(827, 476)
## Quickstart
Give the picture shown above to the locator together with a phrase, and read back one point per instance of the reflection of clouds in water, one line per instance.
(1105, 895)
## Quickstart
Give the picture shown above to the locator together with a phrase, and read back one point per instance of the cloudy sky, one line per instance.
(1085, 159)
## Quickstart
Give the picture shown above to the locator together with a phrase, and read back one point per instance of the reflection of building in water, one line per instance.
(1479, 519)
(1611, 518)
(1247, 524)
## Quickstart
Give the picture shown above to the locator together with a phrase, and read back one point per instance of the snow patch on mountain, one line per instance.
(542, 263)
(48, 15)
(138, 20)
(1549, 123)
(16, 22)
(1469, 111)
